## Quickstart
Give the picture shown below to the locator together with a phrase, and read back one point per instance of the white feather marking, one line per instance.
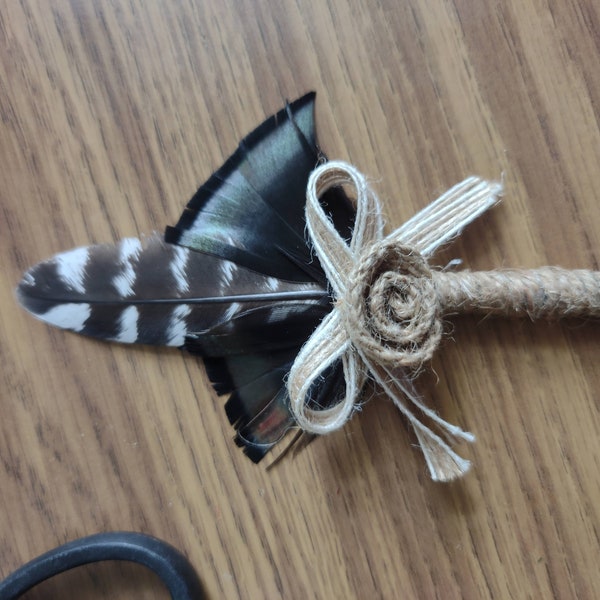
(128, 325)
(228, 270)
(68, 316)
(273, 284)
(233, 309)
(178, 268)
(178, 326)
(28, 279)
(71, 268)
(129, 251)
(276, 312)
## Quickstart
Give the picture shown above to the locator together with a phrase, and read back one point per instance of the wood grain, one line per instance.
(112, 113)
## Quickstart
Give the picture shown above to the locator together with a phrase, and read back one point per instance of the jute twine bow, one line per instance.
(386, 321)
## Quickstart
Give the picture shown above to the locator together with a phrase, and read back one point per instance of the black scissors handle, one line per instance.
(167, 562)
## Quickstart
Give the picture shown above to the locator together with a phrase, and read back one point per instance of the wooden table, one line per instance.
(112, 113)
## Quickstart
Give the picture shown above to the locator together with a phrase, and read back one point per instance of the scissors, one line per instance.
(167, 562)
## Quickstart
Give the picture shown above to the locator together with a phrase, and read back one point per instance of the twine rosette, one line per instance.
(386, 322)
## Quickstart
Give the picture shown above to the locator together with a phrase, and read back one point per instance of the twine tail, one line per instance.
(443, 462)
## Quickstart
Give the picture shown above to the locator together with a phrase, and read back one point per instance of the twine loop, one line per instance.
(391, 310)
(385, 322)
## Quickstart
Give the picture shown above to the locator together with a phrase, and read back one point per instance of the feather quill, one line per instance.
(233, 281)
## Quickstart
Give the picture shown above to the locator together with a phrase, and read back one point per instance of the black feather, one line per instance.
(233, 281)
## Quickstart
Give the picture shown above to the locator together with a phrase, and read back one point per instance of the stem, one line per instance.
(545, 293)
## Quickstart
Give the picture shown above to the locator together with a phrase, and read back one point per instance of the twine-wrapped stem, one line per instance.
(544, 293)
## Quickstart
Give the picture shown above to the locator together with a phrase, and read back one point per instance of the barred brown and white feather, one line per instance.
(149, 292)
